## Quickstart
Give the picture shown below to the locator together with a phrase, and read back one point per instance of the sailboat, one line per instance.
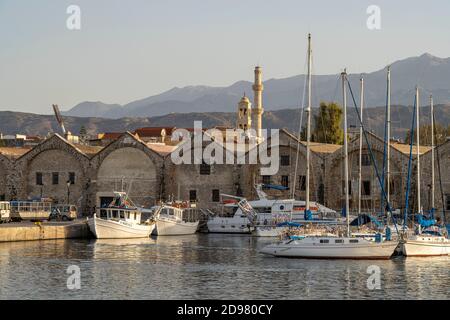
(339, 247)
(427, 242)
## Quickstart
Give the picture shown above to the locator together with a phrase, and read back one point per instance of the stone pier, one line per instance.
(27, 231)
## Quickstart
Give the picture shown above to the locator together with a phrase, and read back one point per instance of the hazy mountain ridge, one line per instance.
(430, 72)
(33, 124)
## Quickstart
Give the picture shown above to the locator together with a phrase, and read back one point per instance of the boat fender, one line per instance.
(378, 238)
(388, 234)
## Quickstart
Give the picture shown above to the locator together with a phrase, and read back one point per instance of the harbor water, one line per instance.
(205, 266)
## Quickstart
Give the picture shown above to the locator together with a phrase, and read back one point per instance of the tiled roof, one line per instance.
(405, 148)
(323, 147)
(111, 135)
(162, 149)
(14, 152)
(153, 131)
(89, 150)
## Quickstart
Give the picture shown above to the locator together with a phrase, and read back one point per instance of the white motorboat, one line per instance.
(269, 212)
(332, 248)
(170, 222)
(120, 221)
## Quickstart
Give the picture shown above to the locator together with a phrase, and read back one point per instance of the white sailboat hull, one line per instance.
(304, 249)
(165, 227)
(418, 248)
(108, 229)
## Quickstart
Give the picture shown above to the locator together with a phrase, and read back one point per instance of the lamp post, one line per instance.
(68, 191)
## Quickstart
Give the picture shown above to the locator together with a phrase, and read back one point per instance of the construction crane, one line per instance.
(59, 118)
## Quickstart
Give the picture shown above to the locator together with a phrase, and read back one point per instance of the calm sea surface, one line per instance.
(204, 267)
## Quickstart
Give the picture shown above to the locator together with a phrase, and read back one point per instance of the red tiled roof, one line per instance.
(153, 131)
(112, 135)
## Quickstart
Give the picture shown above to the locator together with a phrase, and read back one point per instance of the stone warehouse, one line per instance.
(87, 176)
(140, 164)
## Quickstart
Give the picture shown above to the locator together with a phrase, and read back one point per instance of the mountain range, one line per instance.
(374, 119)
(431, 73)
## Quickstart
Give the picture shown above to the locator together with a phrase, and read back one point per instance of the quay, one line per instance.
(28, 231)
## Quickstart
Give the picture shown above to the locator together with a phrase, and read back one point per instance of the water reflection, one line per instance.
(204, 267)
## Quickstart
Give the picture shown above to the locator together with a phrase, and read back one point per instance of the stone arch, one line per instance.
(132, 170)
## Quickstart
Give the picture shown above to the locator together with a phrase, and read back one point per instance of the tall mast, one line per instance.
(419, 206)
(344, 103)
(360, 146)
(432, 151)
(308, 128)
(388, 137)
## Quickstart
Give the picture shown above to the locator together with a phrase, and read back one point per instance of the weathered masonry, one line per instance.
(87, 176)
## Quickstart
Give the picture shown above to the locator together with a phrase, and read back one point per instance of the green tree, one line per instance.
(441, 134)
(327, 125)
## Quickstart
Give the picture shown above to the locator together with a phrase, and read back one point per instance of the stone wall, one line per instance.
(128, 164)
(334, 177)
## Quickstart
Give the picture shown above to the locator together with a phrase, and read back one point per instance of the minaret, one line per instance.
(244, 116)
(258, 107)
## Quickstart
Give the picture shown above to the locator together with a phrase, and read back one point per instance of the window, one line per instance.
(285, 160)
(192, 195)
(353, 241)
(55, 178)
(39, 179)
(324, 241)
(365, 160)
(216, 195)
(447, 205)
(349, 187)
(338, 241)
(205, 169)
(366, 188)
(285, 181)
(72, 177)
(302, 183)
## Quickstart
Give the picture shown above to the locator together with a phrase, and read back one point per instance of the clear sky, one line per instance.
(131, 49)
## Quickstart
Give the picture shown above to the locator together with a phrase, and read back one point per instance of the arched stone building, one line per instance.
(370, 186)
(441, 179)
(127, 164)
(289, 146)
(203, 183)
(53, 169)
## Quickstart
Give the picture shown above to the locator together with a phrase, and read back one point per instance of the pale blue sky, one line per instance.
(132, 49)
